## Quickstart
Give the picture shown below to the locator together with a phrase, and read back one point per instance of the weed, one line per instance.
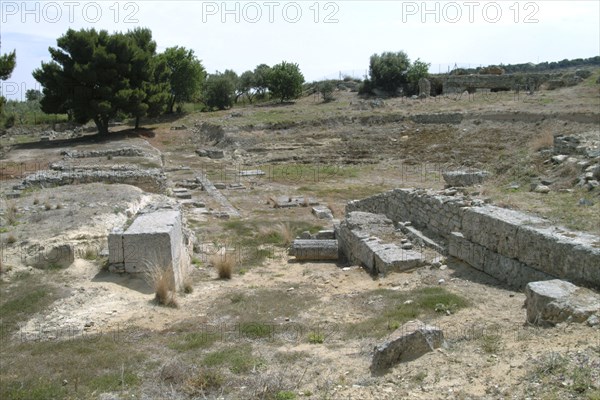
(420, 377)
(491, 343)
(59, 206)
(91, 254)
(316, 338)
(47, 205)
(205, 379)
(36, 201)
(11, 239)
(285, 395)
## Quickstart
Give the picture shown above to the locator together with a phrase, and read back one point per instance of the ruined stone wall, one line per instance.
(512, 246)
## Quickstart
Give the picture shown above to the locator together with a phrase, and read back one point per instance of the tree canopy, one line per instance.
(388, 71)
(218, 91)
(8, 62)
(285, 80)
(187, 75)
(96, 76)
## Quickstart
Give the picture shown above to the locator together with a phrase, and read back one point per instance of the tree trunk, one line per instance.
(171, 105)
(102, 125)
(137, 123)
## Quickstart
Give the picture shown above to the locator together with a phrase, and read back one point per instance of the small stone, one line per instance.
(559, 158)
(407, 246)
(585, 202)
(542, 189)
(593, 320)
(443, 267)
(441, 281)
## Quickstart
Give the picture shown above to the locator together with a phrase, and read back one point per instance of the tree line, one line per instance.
(98, 76)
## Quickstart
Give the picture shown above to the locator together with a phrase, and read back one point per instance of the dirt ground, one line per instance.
(306, 329)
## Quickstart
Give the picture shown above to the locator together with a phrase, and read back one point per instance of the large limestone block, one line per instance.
(555, 301)
(409, 342)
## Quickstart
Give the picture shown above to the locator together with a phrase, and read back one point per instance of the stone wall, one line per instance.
(151, 180)
(512, 246)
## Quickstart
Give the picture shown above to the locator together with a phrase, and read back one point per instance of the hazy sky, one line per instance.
(323, 37)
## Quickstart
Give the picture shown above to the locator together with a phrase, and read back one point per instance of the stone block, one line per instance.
(464, 178)
(555, 301)
(153, 240)
(310, 249)
(409, 342)
(322, 212)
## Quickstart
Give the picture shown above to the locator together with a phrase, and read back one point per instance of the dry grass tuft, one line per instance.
(545, 140)
(187, 286)
(11, 212)
(285, 232)
(224, 263)
(161, 280)
(10, 239)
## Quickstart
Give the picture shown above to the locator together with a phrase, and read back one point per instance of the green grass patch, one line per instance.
(391, 308)
(256, 330)
(88, 364)
(262, 305)
(26, 296)
(238, 359)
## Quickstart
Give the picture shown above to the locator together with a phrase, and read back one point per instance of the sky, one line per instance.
(326, 38)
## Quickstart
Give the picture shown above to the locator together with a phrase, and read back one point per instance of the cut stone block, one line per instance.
(322, 212)
(392, 258)
(464, 178)
(555, 301)
(505, 269)
(309, 249)
(153, 240)
(325, 234)
(211, 153)
(358, 243)
(253, 172)
(409, 342)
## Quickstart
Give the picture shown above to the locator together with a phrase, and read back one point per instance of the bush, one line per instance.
(326, 89)
(10, 121)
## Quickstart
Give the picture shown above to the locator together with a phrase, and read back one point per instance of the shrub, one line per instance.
(326, 89)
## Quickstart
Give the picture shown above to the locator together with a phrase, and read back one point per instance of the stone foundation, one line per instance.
(512, 246)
